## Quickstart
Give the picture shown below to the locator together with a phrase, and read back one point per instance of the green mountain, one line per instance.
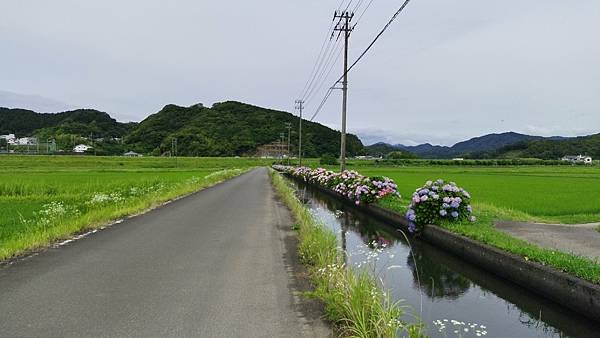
(82, 122)
(231, 129)
(552, 149)
(484, 146)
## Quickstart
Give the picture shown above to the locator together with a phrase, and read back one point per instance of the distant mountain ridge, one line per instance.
(480, 146)
(225, 129)
(232, 129)
(551, 148)
(23, 122)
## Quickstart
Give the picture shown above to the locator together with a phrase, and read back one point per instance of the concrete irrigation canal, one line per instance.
(439, 287)
(215, 264)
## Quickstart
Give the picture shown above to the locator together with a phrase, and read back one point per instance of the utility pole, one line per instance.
(343, 26)
(288, 125)
(300, 107)
(174, 150)
(281, 147)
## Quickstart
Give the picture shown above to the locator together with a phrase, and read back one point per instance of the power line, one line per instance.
(377, 37)
(363, 12)
(323, 76)
(321, 56)
(361, 56)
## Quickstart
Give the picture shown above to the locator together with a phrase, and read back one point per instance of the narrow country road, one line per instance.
(214, 264)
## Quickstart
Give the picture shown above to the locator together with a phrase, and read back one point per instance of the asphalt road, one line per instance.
(214, 264)
(580, 239)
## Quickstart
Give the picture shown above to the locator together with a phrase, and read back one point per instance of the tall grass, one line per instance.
(354, 301)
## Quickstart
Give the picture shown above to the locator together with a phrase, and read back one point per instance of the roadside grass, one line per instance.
(41, 205)
(353, 299)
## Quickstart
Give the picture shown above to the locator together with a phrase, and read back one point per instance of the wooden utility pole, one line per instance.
(300, 107)
(343, 26)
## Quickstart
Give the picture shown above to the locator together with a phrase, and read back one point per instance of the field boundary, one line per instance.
(93, 228)
(575, 293)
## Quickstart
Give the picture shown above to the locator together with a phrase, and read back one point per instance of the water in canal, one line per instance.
(440, 287)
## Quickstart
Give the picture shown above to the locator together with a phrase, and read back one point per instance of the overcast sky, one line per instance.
(445, 71)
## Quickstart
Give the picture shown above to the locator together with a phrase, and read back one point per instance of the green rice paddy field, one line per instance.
(46, 198)
(565, 194)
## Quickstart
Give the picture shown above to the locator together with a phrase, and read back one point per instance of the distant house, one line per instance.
(578, 159)
(25, 141)
(10, 138)
(132, 154)
(361, 157)
(458, 159)
(81, 148)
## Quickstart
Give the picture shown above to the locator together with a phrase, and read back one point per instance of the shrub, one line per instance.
(328, 159)
(438, 201)
(350, 184)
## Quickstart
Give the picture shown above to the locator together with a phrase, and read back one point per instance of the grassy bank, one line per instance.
(353, 299)
(46, 201)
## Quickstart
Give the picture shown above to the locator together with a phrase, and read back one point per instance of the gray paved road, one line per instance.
(209, 265)
(580, 239)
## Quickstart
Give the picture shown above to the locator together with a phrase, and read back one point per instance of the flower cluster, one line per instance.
(101, 198)
(51, 213)
(436, 201)
(349, 183)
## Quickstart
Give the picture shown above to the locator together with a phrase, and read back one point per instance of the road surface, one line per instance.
(579, 239)
(214, 264)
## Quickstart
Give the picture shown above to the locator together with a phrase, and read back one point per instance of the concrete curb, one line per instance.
(575, 293)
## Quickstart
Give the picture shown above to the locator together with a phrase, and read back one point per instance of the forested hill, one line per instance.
(231, 129)
(477, 147)
(552, 149)
(82, 122)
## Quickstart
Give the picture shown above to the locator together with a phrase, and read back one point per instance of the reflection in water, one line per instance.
(435, 279)
(454, 288)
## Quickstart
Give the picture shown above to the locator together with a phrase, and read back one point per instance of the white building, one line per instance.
(132, 154)
(81, 148)
(10, 138)
(578, 159)
(25, 141)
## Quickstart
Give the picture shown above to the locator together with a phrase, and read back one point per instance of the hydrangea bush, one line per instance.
(437, 201)
(349, 183)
